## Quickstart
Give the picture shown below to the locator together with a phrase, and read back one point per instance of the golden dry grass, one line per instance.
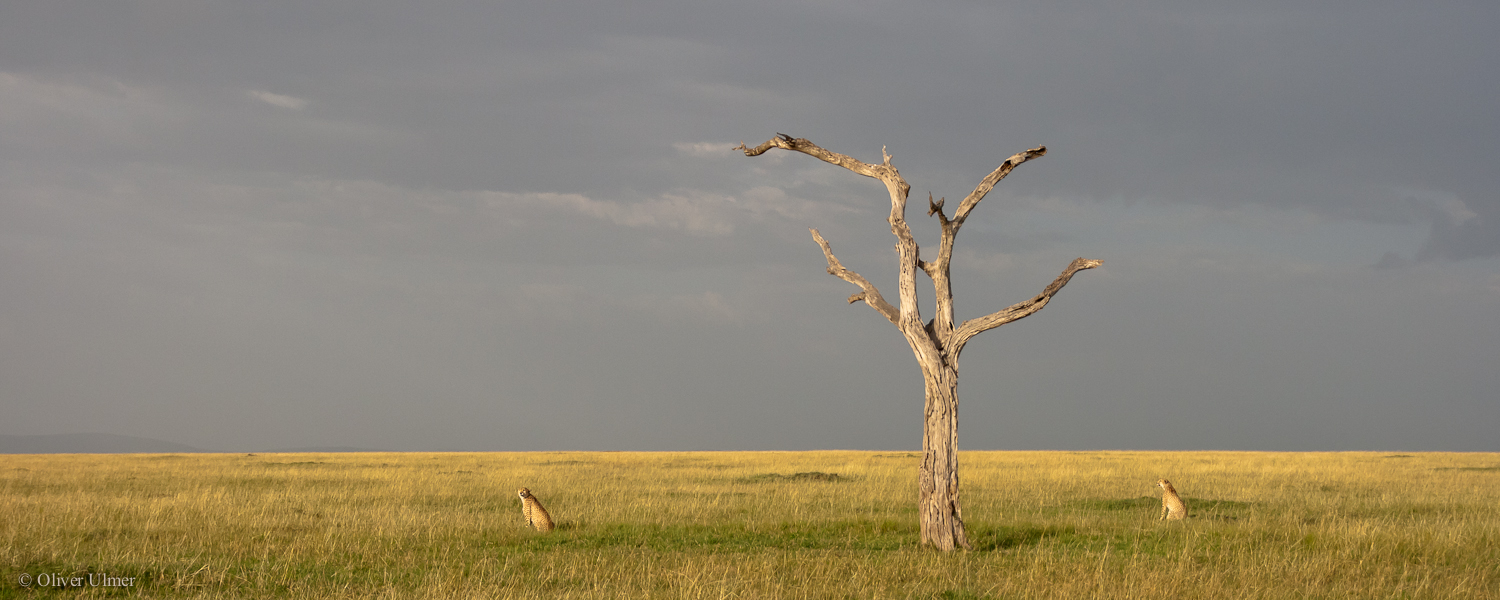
(744, 525)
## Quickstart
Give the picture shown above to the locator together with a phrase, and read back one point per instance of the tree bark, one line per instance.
(939, 511)
(937, 344)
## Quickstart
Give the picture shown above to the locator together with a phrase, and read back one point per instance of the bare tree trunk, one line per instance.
(938, 343)
(940, 513)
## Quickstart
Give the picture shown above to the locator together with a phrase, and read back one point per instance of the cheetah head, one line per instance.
(1163, 484)
(524, 493)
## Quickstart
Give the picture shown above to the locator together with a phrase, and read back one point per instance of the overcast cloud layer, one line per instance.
(519, 225)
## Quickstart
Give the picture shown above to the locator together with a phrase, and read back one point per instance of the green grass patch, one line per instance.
(1130, 504)
(809, 476)
(828, 535)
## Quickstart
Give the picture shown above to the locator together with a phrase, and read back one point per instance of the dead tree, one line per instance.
(937, 343)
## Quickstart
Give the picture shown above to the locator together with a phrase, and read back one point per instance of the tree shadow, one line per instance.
(1005, 538)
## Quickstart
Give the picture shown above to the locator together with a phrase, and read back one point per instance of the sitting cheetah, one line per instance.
(536, 516)
(1171, 504)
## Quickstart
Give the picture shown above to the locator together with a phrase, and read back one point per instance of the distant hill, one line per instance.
(109, 443)
(88, 443)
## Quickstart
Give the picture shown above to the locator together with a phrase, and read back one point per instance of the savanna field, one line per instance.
(830, 524)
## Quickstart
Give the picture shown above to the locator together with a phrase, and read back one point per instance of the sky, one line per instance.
(519, 226)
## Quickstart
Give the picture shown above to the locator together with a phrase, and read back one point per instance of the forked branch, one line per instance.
(937, 207)
(868, 292)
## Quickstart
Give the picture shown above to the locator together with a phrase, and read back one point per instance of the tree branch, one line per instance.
(909, 318)
(787, 142)
(990, 181)
(937, 207)
(938, 270)
(869, 294)
(973, 327)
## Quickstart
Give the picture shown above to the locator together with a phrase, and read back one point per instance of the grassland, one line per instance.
(747, 525)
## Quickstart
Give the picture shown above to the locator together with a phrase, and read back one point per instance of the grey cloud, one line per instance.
(281, 100)
(1220, 91)
(1473, 237)
(442, 216)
